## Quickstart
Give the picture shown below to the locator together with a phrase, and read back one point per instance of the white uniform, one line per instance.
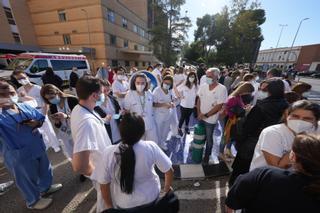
(146, 181)
(188, 96)
(90, 134)
(47, 130)
(178, 79)
(109, 109)
(143, 106)
(162, 114)
(117, 86)
(64, 132)
(276, 140)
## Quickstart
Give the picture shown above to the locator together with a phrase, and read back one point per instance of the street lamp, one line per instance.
(91, 54)
(285, 64)
(282, 26)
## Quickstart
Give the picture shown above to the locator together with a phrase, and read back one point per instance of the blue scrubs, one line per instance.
(24, 152)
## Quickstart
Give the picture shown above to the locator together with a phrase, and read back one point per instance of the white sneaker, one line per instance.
(4, 187)
(41, 204)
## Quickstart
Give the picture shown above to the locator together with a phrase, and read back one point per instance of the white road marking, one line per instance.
(207, 194)
(77, 200)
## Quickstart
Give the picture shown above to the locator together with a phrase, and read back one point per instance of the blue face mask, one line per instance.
(209, 81)
(101, 100)
(55, 100)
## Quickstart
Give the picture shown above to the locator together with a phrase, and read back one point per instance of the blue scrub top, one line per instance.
(21, 137)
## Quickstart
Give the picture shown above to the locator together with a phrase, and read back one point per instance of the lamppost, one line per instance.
(282, 26)
(295, 36)
(89, 35)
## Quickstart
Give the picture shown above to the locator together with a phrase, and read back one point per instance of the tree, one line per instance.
(170, 31)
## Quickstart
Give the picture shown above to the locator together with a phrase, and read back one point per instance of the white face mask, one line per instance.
(120, 77)
(140, 88)
(299, 126)
(24, 81)
(191, 79)
(262, 95)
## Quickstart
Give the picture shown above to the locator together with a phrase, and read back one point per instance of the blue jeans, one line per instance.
(209, 137)
(32, 175)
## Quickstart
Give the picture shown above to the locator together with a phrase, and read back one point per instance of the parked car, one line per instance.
(316, 75)
(306, 73)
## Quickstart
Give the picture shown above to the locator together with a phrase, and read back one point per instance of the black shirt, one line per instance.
(270, 189)
(73, 79)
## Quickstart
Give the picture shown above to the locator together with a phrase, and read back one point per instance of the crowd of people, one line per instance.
(114, 127)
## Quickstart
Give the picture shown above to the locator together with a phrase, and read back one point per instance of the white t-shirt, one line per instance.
(142, 105)
(88, 133)
(160, 97)
(33, 92)
(203, 80)
(287, 87)
(188, 96)
(178, 79)
(146, 187)
(156, 73)
(208, 99)
(120, 87)
(276, 140)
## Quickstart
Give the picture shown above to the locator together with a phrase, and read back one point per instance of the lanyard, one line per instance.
(142, 102)
(91, 112)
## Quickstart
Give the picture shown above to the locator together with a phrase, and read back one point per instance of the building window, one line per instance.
(66, 39)
(113, 40)
(114, 63)
(124, 22)
(62, 15)
(135, 28)
(16, 38)
(125, 43)
(149, 63)
(142, 32)
(127, 63)
(111, 16)
(135, 47)
(9, 15)
(136, 63)
(143, 63)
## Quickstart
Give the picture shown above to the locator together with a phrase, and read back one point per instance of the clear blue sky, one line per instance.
(288, 12)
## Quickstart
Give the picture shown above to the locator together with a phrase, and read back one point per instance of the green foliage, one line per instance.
(169, 30)
(229, 37)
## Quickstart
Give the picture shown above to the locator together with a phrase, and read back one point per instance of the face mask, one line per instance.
(306, 94)
(55, 100)
(299, 126)
(101, 100)
(191, 80)
(209, 81)
(140, 88)
(166, 86)
(120, 77)
(24, 81)
(262, 95)
(14, 99)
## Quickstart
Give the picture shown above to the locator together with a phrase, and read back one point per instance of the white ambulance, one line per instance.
(36, 64)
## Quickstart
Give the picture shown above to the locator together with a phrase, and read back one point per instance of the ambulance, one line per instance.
(36, 64)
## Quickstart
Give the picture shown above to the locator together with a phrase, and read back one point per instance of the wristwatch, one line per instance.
(206, 115)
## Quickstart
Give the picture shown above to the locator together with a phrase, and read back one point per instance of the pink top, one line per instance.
(233, 101)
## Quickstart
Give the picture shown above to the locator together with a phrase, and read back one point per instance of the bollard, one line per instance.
(198, 143)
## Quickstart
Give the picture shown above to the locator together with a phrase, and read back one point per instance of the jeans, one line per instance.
(209, 137)
(185, 116)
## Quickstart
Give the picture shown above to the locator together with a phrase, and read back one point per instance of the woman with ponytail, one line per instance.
(270, 189)
(126, 172)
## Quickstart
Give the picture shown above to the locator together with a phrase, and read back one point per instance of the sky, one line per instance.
(289, 12)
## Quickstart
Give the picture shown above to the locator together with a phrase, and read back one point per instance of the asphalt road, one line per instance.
(80, 197)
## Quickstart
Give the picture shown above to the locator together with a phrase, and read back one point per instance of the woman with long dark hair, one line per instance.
(187, 93)
(266, 112)
(270, 189)
(126, 172)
